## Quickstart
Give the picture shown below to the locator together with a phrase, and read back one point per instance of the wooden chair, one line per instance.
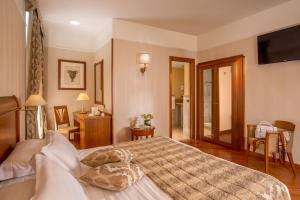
(62, 121)
(252, 140)
(290, 127)
(271, 142)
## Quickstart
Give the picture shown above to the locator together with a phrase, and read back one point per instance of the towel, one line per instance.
(263, 127)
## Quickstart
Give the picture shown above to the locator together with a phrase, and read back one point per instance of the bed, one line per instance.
(172, 170)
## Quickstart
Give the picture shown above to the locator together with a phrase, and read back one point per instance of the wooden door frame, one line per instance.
(238, 99)
(191, 61)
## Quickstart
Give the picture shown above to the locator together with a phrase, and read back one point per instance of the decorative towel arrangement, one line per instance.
(262, 128)
(111, 169)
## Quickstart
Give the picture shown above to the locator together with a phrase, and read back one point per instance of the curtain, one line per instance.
(35, 118)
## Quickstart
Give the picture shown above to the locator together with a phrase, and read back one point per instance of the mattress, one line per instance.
(23, 188)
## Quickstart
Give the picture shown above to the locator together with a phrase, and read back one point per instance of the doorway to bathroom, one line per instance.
(182, 98)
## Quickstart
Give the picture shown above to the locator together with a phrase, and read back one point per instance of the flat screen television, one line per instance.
(279, 46)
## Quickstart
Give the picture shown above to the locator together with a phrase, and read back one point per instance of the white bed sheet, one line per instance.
(23, 188)
(17, 188)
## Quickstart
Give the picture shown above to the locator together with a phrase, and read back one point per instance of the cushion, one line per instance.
(60, 150)
(104, 156)
(114, 176)
(68, 129)
(18, 163)
(54, 182)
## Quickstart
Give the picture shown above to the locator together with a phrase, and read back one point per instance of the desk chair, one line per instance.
(62, 121)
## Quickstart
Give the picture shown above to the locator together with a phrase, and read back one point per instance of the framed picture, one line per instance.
(71, 75)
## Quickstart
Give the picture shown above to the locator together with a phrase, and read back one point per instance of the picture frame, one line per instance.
(71, 75)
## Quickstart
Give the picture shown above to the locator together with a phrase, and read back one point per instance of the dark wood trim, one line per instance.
(225, 132)
(112, 91)
(220, 61)
(191, 61)
(101, 63)
(59, 74)
(238, 99)
(9, 125)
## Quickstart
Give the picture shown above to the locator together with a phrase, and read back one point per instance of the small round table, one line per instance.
(140, 132)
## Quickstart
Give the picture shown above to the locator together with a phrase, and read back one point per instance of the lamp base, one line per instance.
(82, 109)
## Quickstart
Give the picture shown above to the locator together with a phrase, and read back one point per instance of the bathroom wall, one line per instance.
(178, 82)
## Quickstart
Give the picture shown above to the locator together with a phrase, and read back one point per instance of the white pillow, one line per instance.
(18, 163)
(63, 152)
(54, 182)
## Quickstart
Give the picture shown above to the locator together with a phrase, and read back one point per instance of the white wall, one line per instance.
(136, 94)
(12, 52)
(67, 97)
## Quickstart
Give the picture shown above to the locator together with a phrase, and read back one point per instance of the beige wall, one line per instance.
(136, 94)
(12, 53)
(177, 82)
(67, 97)
(271, 90)
(105, 54)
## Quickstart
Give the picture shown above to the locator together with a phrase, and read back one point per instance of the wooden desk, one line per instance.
(140, 132)
(94, 130)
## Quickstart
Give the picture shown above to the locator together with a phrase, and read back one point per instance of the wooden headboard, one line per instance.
(9, 125)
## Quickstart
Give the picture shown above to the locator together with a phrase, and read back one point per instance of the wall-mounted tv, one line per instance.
(279, 46)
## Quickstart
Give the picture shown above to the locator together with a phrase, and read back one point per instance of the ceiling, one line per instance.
(186, 16)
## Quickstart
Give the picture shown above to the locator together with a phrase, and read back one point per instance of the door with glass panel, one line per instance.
(220, 103)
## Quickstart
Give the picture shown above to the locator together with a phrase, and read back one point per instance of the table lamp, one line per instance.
(35, 100)
(83, 97)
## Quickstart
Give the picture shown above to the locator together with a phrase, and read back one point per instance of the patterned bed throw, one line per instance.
(185, 172)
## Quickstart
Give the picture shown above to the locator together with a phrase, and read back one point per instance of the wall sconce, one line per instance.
(143, 59)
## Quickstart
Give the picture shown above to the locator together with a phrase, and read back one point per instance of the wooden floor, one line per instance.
(282, 172)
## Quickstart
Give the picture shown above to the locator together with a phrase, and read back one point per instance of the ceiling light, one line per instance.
(74, 23)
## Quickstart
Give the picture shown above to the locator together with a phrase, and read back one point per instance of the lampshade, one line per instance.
(144, 58)
(83, 97)
(35, 100)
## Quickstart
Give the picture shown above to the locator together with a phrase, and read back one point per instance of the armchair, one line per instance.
(270, 142)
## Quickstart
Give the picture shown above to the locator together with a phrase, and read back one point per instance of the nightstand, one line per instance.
(140, 132)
